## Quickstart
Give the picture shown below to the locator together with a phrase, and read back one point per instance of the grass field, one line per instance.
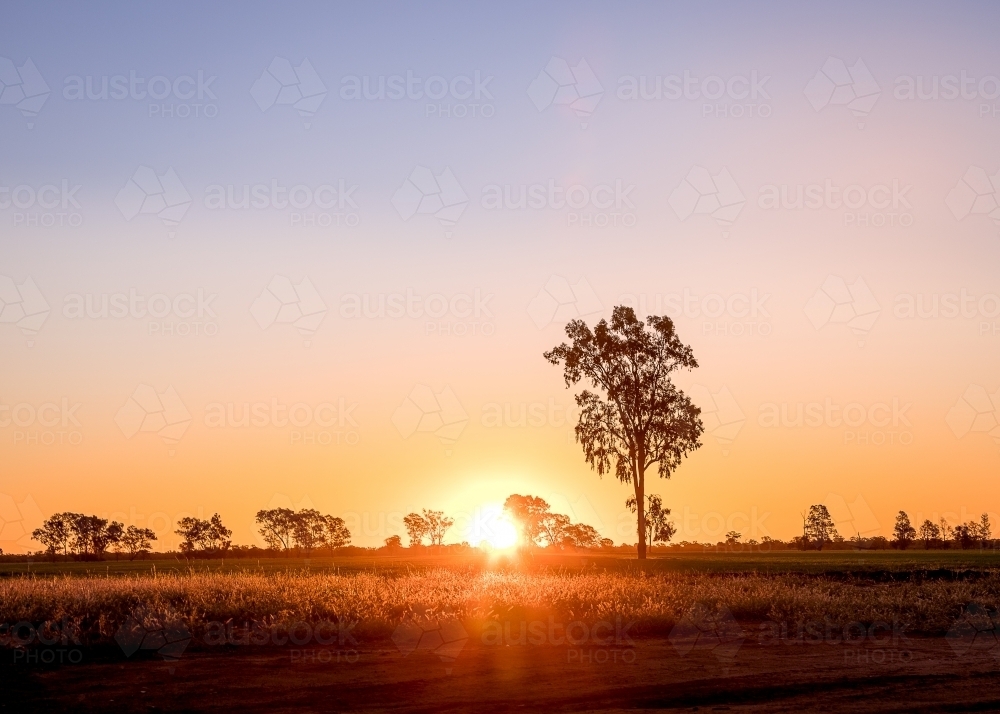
(784, 561)
(922, 590)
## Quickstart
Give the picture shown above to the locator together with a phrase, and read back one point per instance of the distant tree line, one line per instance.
(819, 531)
(972, 534)
(304, 530)
(431, 525)
(90, 537)
(203, 538)
(87, 537)
(538, 525)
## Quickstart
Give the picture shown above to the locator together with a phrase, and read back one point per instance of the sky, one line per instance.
(310, 255)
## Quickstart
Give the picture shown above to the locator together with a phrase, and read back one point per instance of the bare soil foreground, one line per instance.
(918, 675)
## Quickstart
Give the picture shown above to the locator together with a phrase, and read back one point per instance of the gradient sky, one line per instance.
(934, 457)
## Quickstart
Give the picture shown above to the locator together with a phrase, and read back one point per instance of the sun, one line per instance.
(504, 535)
(492, 529)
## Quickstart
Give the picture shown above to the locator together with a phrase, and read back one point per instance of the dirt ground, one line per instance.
(918, 675)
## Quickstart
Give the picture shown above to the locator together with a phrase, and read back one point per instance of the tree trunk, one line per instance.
(640, 509)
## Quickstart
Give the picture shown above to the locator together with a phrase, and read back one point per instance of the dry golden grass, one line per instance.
(378, 602)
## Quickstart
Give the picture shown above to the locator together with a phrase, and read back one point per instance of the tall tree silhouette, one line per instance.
(637, 417)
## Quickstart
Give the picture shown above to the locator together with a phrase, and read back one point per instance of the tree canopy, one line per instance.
(636, 417)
